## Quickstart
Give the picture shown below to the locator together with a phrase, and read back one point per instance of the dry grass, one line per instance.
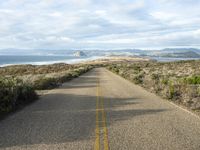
(18, 83)
(176, 81)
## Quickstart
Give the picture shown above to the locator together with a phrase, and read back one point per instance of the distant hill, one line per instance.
(176, 50)
(167, 52)
(188, 54)
(173, 53)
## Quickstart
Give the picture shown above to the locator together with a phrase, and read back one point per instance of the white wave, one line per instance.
(69, 61)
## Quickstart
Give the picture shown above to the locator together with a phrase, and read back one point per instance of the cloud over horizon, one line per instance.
(106, 24)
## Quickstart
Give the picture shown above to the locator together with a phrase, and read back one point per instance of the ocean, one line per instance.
(171, 59)
(6, 60)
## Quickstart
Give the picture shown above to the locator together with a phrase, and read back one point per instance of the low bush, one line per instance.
(165, 81)
(171, 91)
(155, 77)
(138, 79)
(14, 92)
(65, 78)
(192, 80)
(137, 69)
(114, 68)
(45, 83)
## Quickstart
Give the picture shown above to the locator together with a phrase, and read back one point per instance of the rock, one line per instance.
(80, 54)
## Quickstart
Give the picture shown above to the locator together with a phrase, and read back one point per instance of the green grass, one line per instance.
(192, 80)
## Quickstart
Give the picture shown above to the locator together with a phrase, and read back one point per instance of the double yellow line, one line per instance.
(100, 110)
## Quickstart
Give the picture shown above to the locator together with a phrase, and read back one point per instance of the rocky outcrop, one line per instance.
(80, 54)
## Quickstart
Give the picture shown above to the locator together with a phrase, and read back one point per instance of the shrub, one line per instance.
(137, 69)
(76, 73)
(26, 93)
(13, 92)
(164, 81)
(155, 77)
(66, 77)
(192, 80)
(45, 83)
(171, 91)
(116, 70)
(138, 79)
(52, 82)
(174, 91)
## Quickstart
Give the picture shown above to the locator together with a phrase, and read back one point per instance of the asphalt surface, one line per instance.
(100, 110)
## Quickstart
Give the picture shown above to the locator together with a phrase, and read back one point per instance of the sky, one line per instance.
(99, 24)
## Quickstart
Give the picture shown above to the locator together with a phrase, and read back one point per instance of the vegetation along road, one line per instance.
(100, 110)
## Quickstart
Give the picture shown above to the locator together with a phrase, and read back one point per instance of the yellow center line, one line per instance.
(106, 146)
(97, 130)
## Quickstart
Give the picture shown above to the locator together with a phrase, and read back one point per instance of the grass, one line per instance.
(192, 80)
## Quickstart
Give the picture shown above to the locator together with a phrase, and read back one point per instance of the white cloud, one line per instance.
(55, 14)
(7, 11)
(91, 23)
(164, 16)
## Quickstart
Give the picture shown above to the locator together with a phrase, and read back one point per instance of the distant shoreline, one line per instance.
(92, 59)
(49, 62)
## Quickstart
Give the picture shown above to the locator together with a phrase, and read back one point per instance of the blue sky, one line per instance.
(95, 24)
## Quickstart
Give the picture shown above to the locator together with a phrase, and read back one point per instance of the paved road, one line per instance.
(100, 110)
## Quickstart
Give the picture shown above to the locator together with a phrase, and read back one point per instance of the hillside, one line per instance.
(188, 54)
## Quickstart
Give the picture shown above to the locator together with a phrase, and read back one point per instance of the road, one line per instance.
(100, 110)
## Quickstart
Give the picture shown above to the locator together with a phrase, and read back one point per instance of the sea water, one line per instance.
(6, 60)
